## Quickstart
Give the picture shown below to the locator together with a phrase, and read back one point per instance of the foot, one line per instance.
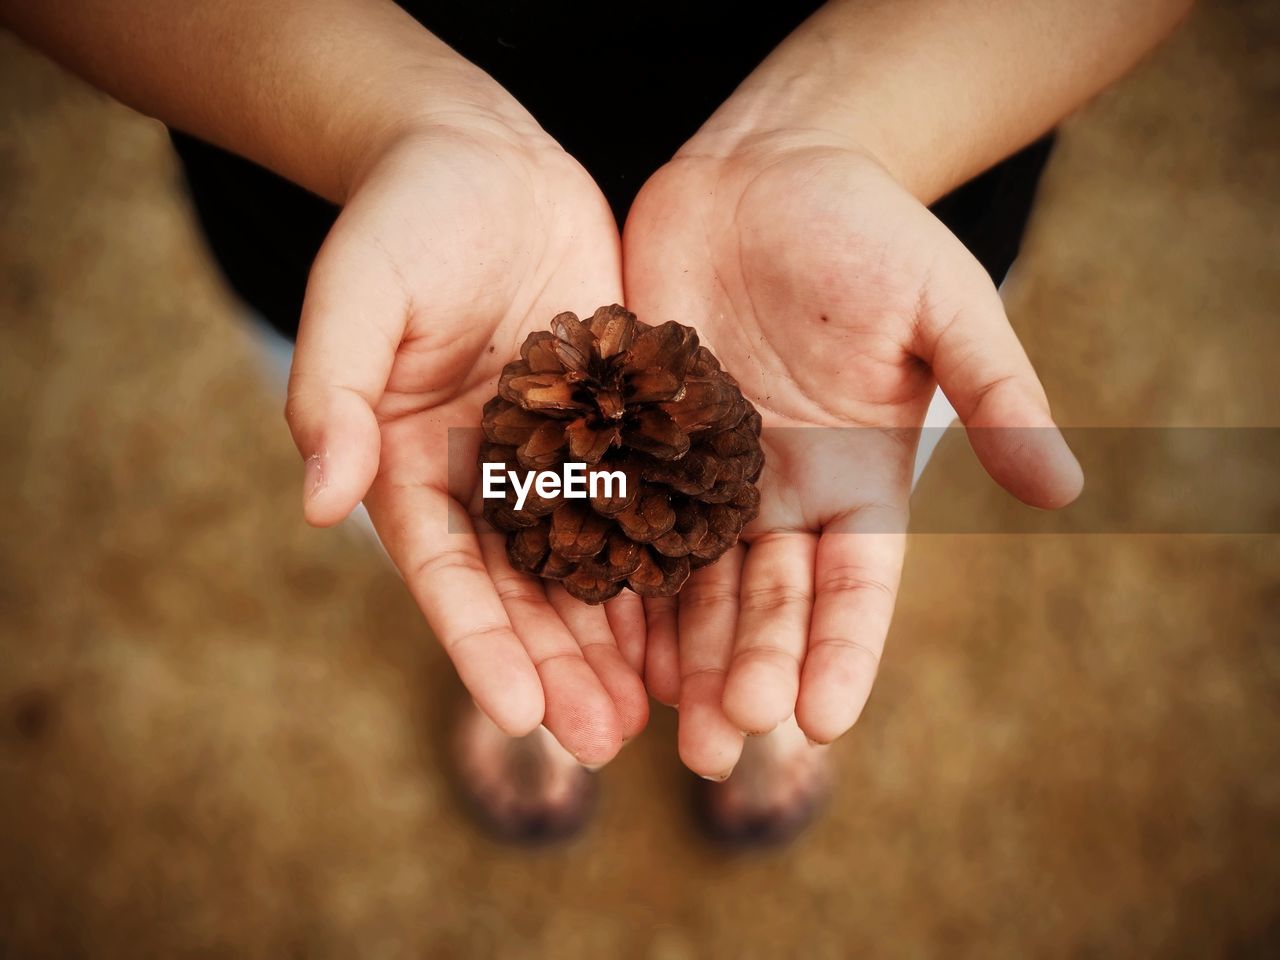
(776, 790)
(525, 789)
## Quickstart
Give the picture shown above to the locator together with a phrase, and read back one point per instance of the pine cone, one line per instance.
(620, 395)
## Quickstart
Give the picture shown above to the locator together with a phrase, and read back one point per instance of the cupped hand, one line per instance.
(838, 301)
(456, 242)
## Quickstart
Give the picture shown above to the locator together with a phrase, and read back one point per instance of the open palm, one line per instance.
(838, 301)
(452, 249)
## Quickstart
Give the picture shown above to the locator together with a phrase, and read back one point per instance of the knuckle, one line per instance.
(985, 391)
(769, 654)
(518, 590)
(562, 656)
(713, 674)
(496, 631)
(702, 596)
(850, 649)
(290, 410)
(446, 561)
(852, 579)
(775, 597)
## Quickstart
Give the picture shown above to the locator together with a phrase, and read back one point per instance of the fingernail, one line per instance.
(313, 480)
(720, 779)
(593, 767)
(814, 743)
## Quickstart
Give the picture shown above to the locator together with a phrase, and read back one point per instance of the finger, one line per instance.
(858, 567)
(775, 601)
(661, 650)
(589, 626)
(446, 575)
(710, 744)
(353, 318)
(986, 375)
(580, 712)
(626, 618)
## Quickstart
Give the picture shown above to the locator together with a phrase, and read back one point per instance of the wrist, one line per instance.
(741, 152)
(829, 86)
(454, 99)
(765, 120)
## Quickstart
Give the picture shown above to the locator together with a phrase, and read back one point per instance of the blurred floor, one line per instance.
(220, 731)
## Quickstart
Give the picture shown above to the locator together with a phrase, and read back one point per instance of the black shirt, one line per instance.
(620, 86)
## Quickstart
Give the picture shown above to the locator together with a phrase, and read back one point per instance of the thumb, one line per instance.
(353, 318)
(985, 373)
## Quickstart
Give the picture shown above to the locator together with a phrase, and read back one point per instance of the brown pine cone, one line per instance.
(620, 395)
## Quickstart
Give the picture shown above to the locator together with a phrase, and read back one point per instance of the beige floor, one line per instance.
(220, 731)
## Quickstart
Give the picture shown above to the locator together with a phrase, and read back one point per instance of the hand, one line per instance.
(458, 240)
(836, 299)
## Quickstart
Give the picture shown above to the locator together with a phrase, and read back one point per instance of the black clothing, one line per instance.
(621, 88)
